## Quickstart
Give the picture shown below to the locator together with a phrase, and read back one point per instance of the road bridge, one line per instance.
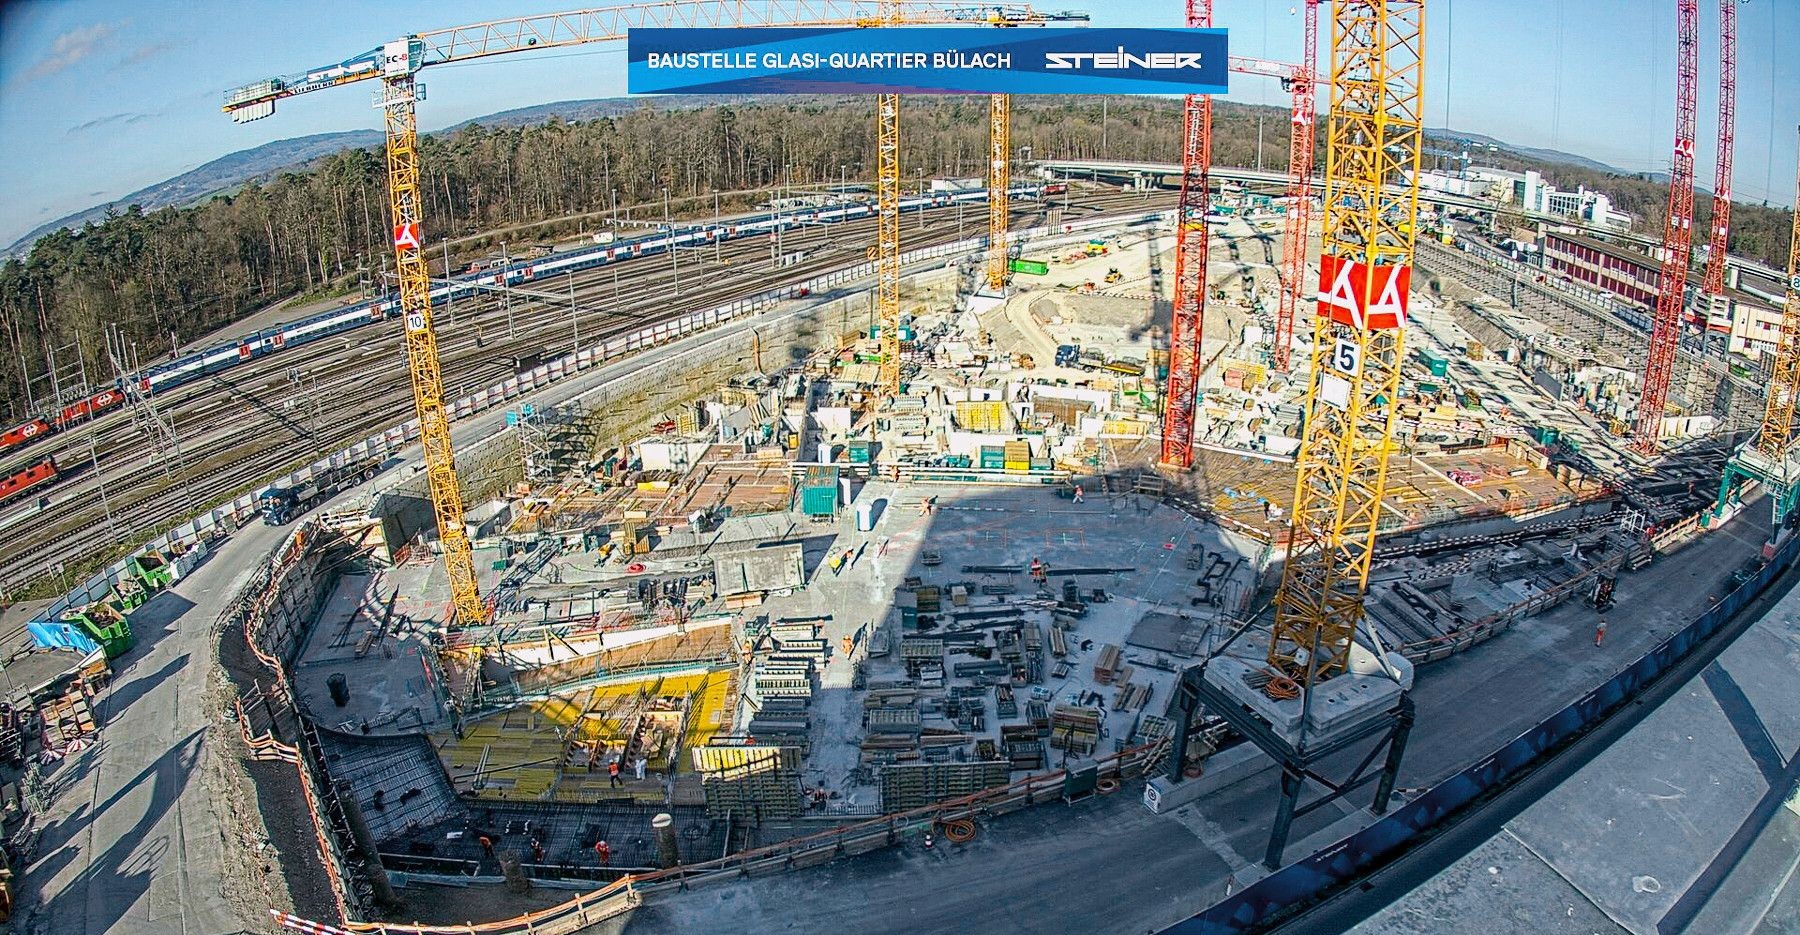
(1154, 172)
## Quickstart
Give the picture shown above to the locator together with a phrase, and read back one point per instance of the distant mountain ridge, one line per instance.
(221, 174)
(270, 159)
(1481, 141)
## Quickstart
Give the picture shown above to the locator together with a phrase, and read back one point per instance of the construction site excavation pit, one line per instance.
(923, 641)
(770, 606)
(765, 600)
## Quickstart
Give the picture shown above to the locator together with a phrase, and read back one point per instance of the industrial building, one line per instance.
(1526, 191)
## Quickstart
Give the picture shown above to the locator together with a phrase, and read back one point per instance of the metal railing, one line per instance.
(843, 841)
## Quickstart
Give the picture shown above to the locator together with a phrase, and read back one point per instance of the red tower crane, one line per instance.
(1721, 215)
(1678, 237)
(1189, 310)
(1294, 289)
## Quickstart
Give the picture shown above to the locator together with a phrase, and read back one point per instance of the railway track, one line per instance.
(243, 425)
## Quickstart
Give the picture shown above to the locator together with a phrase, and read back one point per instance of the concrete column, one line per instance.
(365, 842)
(514, 873)
(668, 850)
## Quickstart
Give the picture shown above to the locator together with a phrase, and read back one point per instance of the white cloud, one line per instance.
(70, 48)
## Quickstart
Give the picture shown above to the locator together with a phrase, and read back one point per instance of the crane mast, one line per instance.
(1301, 143)
(1373, 136)
(399, 92)
(1721, 216)
(1678, 234)
(887, 238)
(1784, 375)
(1188, 314)
(999, 187)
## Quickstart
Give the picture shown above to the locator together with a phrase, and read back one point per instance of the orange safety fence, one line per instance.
(253, 610)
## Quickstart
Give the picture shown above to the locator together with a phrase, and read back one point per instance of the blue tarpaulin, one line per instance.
(61, 634)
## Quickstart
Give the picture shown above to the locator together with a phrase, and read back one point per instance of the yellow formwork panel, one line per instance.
(527, 751)
(981, 415)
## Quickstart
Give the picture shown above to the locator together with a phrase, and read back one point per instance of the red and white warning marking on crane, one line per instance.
(1346, 285)
(289, 921)
(408, 235)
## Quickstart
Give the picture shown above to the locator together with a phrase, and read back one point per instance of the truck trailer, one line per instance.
(281, 503)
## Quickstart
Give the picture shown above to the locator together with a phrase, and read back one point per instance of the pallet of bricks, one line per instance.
(1075, 729)
(911, 785)
(68, 725)
(891, 725)
(749, 781)
(1106, 667)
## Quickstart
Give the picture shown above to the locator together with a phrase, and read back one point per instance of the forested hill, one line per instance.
(221, 174)
(320, 229)
(263, 162)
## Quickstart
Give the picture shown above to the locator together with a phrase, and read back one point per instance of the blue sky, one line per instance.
(101, 97)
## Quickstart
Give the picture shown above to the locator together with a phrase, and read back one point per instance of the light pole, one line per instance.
(674, 260)
(716, 229)
(574, 319)
(780, 195)
(919, 174)
(957, 201)
(448, 292)
(505, 293)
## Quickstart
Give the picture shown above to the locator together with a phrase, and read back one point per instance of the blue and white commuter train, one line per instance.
(162, 377)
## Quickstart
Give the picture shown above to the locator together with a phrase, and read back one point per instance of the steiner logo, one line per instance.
(1119, 58)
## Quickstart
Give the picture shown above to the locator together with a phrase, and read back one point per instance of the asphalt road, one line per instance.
(132, 842)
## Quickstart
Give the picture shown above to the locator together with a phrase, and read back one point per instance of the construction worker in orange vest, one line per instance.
(604, 850)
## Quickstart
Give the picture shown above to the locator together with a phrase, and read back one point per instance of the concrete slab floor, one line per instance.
(999, 526)
(374, 630)
(1500, 888)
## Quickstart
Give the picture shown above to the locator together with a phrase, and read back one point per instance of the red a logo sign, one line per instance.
(1361, 296)
(408, 235)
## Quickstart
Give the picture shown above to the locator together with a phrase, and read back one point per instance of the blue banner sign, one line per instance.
(927, 60)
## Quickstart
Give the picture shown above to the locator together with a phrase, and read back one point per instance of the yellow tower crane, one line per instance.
(396, 65)
(1784, 374)
(887, 225)
(999, 187)
(1371, 208)
(1770, 457)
